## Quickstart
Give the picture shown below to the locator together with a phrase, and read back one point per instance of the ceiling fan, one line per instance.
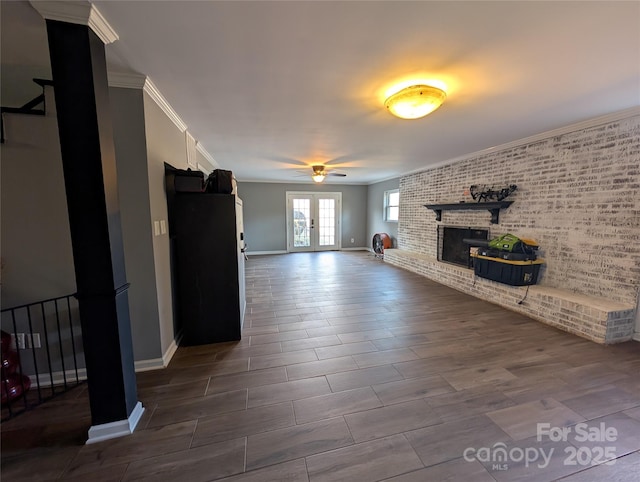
(320, 172)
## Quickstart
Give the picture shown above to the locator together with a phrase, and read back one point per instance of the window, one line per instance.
(391, 205)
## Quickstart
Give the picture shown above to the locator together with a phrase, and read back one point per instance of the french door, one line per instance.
(313, 221)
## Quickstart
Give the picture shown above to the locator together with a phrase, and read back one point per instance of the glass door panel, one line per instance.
(301, 223)
(326, 222)
(313, 221)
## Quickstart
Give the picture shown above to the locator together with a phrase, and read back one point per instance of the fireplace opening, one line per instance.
(451, 247)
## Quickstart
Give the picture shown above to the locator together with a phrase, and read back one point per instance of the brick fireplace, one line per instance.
(451, 245)
(577, 197)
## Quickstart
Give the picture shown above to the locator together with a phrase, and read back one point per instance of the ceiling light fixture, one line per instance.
(318, 177)
(415, 101)
(318, 173)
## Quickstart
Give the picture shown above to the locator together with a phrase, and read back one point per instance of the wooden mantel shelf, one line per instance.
(493, 207)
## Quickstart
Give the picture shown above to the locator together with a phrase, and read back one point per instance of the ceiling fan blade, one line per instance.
(338, 174)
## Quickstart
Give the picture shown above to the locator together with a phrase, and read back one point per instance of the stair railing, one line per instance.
(47, 360)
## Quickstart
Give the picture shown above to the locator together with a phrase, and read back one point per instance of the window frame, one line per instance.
(387, 205)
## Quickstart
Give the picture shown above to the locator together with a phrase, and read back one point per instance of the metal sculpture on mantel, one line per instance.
(480, 195)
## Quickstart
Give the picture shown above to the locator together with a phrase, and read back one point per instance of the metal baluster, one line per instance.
(64, 371)
(46, 342)
(33, 353)
(73, 340)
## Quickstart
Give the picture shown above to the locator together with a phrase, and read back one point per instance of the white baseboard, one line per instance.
(262, 253)
(107, 431)
(636, 336)
(168, 355)
(149, 364)
(157, 363)
(45, 379)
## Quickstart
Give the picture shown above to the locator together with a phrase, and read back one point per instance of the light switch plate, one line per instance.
(156, 228)
(163, 226)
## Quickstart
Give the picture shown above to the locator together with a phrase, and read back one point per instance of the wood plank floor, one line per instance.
(353, 370)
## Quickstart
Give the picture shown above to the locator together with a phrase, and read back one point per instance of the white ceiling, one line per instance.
(269, 87)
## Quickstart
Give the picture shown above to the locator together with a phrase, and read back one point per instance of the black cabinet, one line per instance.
(208, 266)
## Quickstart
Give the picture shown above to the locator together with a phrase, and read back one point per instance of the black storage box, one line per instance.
(188, 181)
(514, 273)
(220, 182)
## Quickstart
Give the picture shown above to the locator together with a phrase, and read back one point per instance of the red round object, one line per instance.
(6, 342)
(14, 386)
(9, 363)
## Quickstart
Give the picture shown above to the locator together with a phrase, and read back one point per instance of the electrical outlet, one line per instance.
(24, 341)
(19, 339)
(34, 341)
(353, 240)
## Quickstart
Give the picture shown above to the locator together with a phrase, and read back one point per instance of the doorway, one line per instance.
(313, 221)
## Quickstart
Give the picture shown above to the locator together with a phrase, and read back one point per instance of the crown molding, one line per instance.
(138, 81)
(101, 27)
(150, 88)
(207, 156)
(578, 126)
(126, 81)
(78, 12)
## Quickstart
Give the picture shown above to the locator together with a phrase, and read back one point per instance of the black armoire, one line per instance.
(208, 266)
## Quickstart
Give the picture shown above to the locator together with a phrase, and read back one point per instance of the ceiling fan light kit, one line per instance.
(415, 101)
(320, 172)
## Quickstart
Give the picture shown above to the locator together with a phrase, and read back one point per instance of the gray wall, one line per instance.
(131, 156)
(37, 262)
(145, 139)
(265, 220)
(24, 52)
(375, 211)
(165, 143)
(36, 245)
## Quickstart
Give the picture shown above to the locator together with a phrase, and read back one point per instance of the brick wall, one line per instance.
(578, 196)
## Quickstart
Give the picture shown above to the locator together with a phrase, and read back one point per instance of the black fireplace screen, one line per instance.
(451, 247)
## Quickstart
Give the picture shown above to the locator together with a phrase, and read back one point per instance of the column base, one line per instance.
(106, 431)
